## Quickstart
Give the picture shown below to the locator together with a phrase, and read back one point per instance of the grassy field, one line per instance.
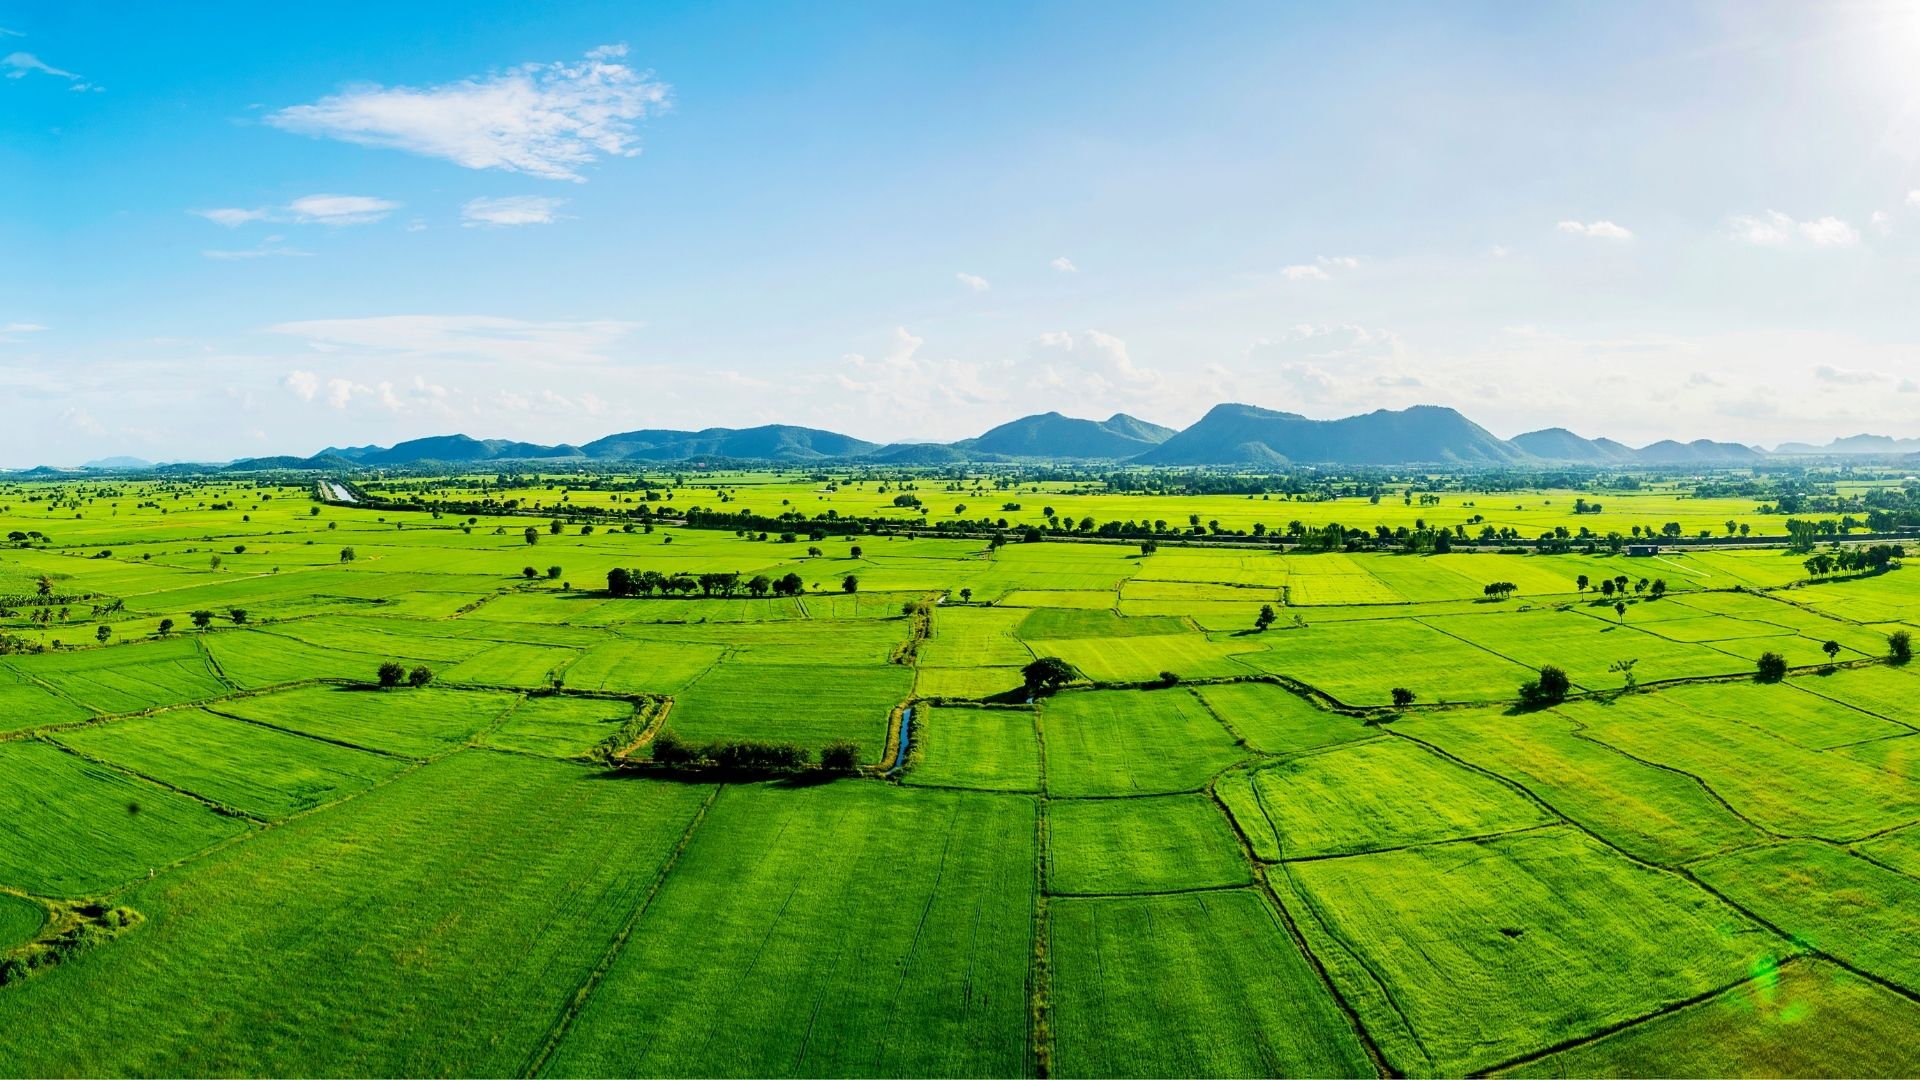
(1219, 850)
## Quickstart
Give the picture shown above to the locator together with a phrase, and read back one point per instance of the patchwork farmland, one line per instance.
(845, 829)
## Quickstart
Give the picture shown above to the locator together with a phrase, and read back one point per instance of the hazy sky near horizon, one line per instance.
(231, 230)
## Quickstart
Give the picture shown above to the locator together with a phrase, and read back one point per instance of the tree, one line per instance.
(1620, 609)
(1550, 688)
(553, 573)
(532, 535)
(1832, 649)
(529, 573)
(853, 552)
(966, 596)
(1402, 697)
(759, 584)
(1771, 667)
(1658, 588)
(202, 619)
(1148, 547)
(347, 555)
(1265, 618)
(1580, 583)
(554, 526)
(1046, 675)
(1899, 646)
(391, 674)
(102, 632)
(619, 582)
(1624, 668)
(790, 584)
(840, 756)
(419, 676)
(166, 627)
(850, 584)
(1606, 588)
(238, 615)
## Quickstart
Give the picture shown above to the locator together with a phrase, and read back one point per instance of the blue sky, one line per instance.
(232, 230)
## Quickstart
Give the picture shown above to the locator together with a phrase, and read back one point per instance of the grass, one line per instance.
(1132, 742)
(844, 929)
(1158, 844)
(20, 920)
(560, 726)
(260, 771)
(128, 678)
(1205, 984)
(438, 924)
(1345, 660)
(1275, 720)
(985, 749)
(1453, 932)
(742, 699)
(76, 829)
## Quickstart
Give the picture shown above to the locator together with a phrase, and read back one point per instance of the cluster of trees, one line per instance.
(1550, 688)
(1046, 675)
(1849, 560)
(624, 582)
(393, 673)
(1622, 585)
(750, 755)
(1499, 590)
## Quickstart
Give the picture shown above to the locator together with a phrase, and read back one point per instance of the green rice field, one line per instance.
(1344, 843)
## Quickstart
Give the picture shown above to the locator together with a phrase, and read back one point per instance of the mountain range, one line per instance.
(1229, 434)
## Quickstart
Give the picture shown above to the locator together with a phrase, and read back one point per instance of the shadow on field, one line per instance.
(806, 779)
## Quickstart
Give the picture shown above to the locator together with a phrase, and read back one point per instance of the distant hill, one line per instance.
(118, 463)
(1697, 452)
(1051, 435)
(1854, 444)
(1559, 444)
(1236, 434)
(772, 442)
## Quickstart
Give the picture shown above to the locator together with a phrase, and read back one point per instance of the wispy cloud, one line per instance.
(462, 337)
(1775, 229)
(512, 210)
(1303, 272)
(1596, 230)
(1064, 265)
(973, 281)
(1827, 373)
(545, 120)
(268, 247)
(11, 332)
(19, 65)
(333, 210)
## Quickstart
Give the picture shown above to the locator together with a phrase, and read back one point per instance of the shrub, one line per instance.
(1899, 646)
(670, 751)
(391, 673)
(1772, 667)
(840, 756)
(1169, 678)
(748, 755)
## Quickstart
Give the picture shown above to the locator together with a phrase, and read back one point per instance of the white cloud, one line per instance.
(512, 210)
(1499, 252)
(21, 328)
(1596, 230)
(304, 384)
(972, 281)
(268, 247)
(462, 337)
(21, 64)
(1064, 265)
(1775, 229)
(1845, 377)
(1303, 272)
(1340, 262)
(1913, 198)
(1093, 366)
(545, 120)
(1829, 232)
(340, 209)
(1882, 222)
(231, 217)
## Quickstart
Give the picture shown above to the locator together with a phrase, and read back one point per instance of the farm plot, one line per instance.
(512, 664)
(1380, 794)
(76, 829)
(1359, 663)
(1883, 690)
(1274, 720)
(1450, 930)
(1159, 843)
(562, 726)
(434, 643)
(255, 660)
(437, 924)
(845, 929)
(126, 678)
(416, 723)
(1334, 578)
(1201, 984)
(970, 684)
(986, 749)
(790, 702)
(643, 665)
(1421, 578)
(1778, 784)
(1101, 599)
(1068, 623)
(1839, 903)
(1804, 1017)
(628, 612)
(26, 704)
(1808, 719)
(1136, 659)
(1263, 569)
(1585, 648)
(1652, 813)
(976, 637)
(257, 770)
(1131, 742)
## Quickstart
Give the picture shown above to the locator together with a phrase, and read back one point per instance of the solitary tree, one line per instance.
(853, 552)
(391, 674)
(850, 584)
(1620, 609)
(347, 555)
(238, 615)
(1832, 649)
(532, 535)
(1899, 646)
(1771, 667)
(1402, 697)
(1047, 674)
(102, 632)
(419, 676)
(966, 596)
(166, 627)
